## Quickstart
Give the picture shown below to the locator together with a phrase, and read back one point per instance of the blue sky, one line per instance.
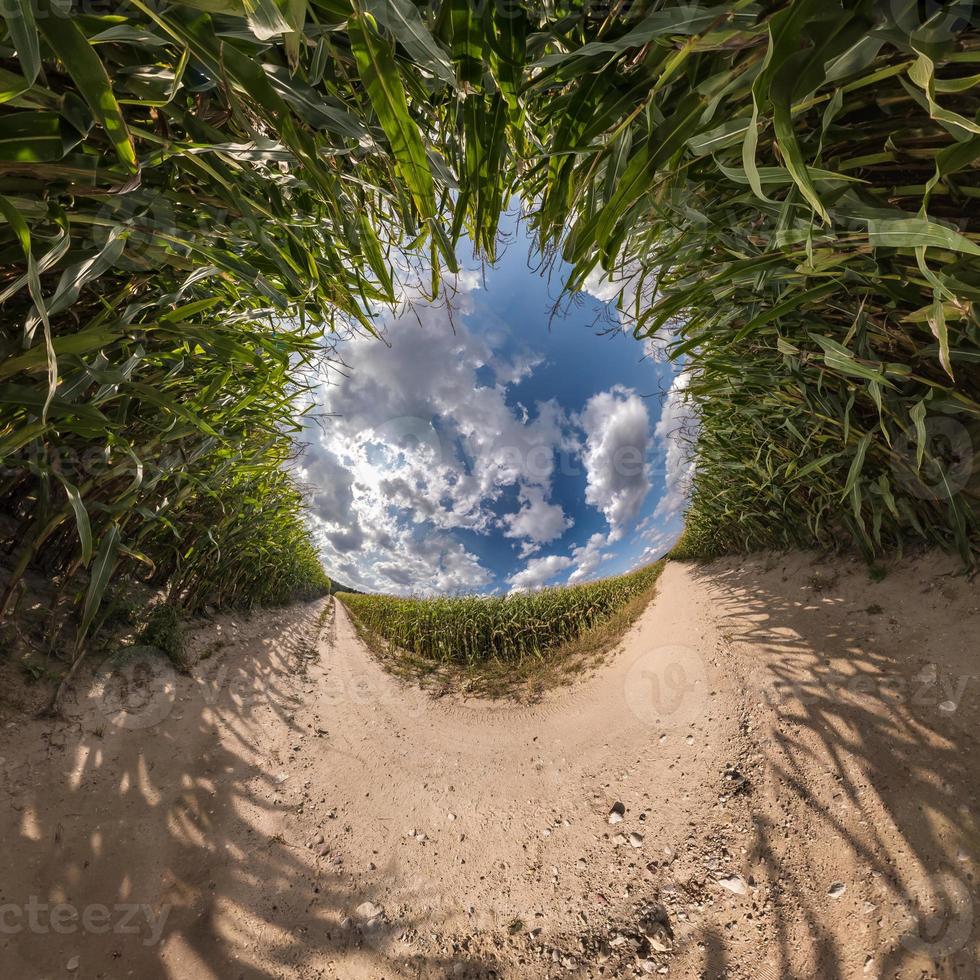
(493, 443)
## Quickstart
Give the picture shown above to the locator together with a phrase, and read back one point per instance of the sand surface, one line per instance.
(794, 747)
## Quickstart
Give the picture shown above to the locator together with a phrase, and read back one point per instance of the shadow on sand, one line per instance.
(157, 841)
(869, 751)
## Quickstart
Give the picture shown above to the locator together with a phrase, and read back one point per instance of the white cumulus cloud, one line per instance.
(416, 441)
(588, 558)
(617, 438)
(538, 572)
(675, 432)
(537, 522)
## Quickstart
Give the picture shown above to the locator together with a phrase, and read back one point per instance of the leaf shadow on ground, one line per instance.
(186, 818)
(849, 676)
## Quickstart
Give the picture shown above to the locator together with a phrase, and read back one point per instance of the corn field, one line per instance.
(194, 194)
(471, 629)
(796, 185)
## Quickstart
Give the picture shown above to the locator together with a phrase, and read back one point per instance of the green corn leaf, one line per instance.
(81, 519)
(377, 261)
(83, 342)
(11, 85)
(937, 323)
(71, 46)
(789, 145)
(31, 137)
(376, 67)
(19, 18)
(677, 21)
(918, 416)
(20, 228)
(403, 19)
(839, 358)
(101, 574)
(857, 464)
(265, 19)
(923, 73)
(917, 233)
(816, 465)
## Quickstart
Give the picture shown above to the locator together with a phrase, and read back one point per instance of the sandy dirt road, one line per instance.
(794, 748)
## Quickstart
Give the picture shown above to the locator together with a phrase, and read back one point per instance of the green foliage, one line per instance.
(33, 670)
(164, 630)
(193, 194)
(470, 629)
(190, 198)
(683, 551)
(792, 187)
(121, 611)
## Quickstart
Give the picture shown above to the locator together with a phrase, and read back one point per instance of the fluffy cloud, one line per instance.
(419, 441)
(584, 561)
(617, 440)
(329, 481)
(422, 449)
(675, 432)
(617, 437)
(435, 563)
(538, 572)
(346, 539)
(537, 522)
(588, 558)
(660, 543)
